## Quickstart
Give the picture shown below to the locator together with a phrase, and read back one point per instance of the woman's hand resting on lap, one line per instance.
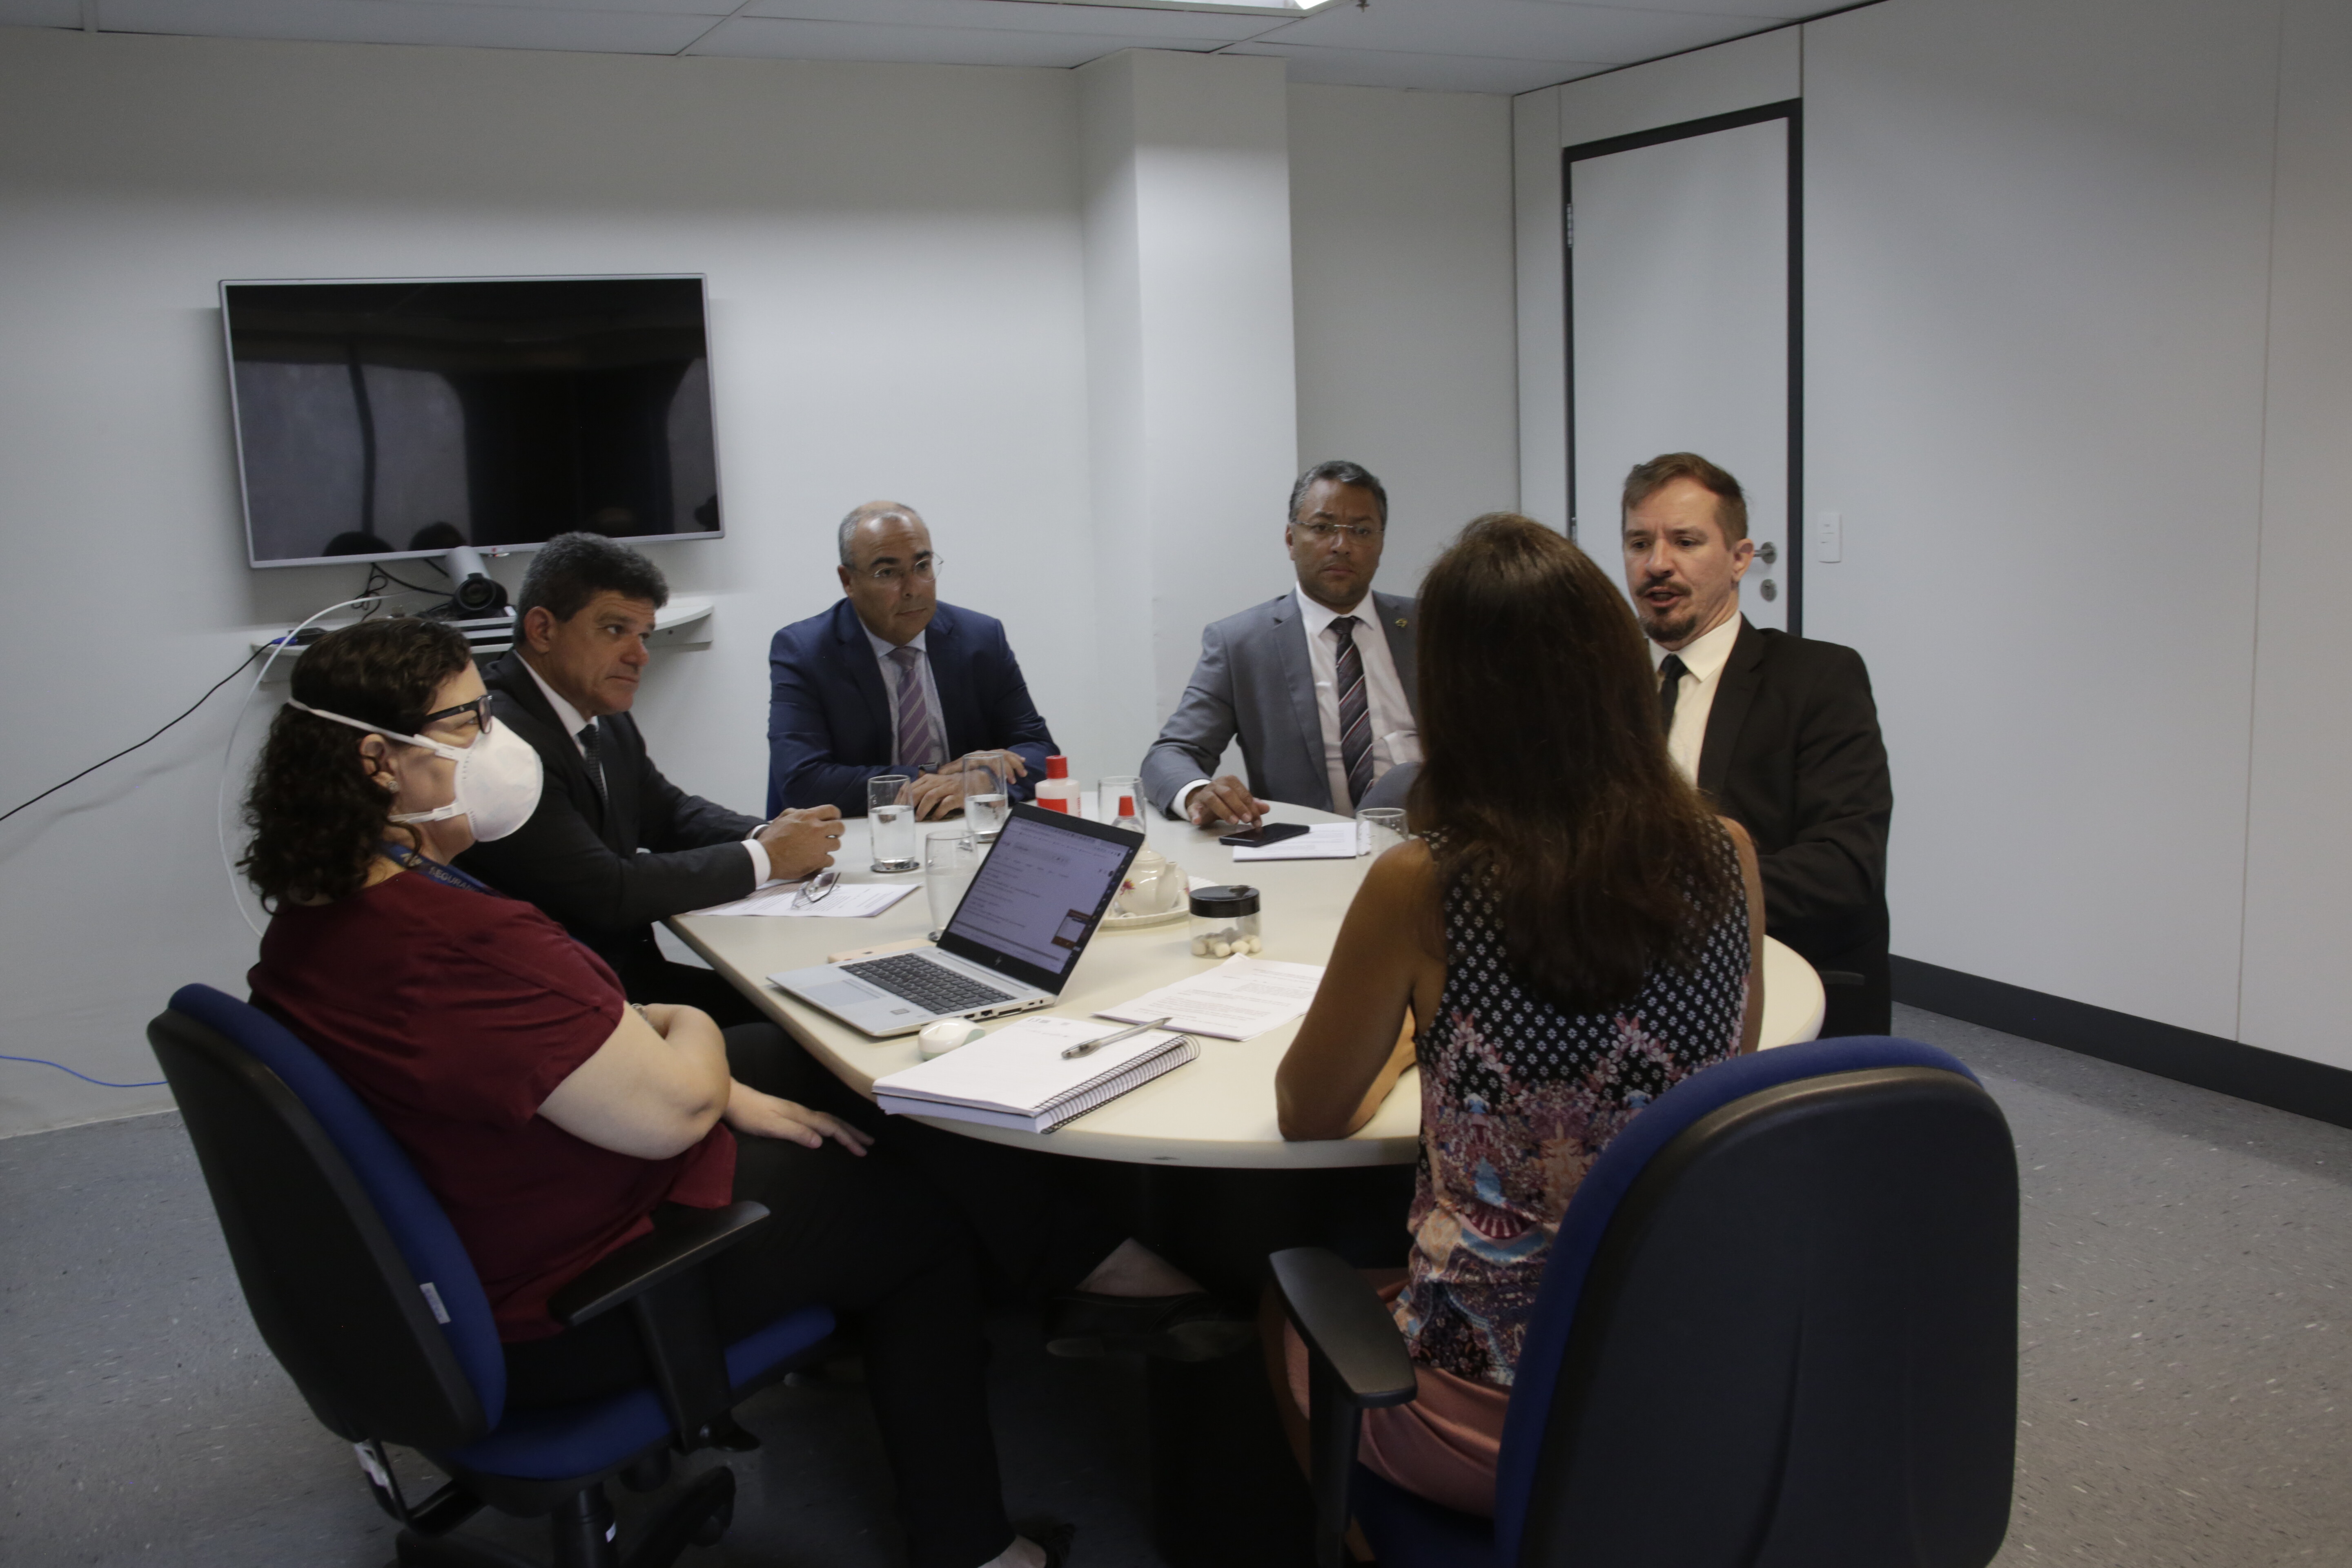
(759, 1115)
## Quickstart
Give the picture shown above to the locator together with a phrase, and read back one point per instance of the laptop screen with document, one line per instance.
(1036, 901)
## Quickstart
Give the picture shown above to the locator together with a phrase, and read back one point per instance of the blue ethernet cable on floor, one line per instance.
(43, 1061)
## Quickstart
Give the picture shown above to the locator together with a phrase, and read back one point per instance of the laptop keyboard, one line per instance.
(925, 984)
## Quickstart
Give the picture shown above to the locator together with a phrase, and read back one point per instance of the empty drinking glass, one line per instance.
(1383, 828)
(891, 823)
(949, 861)
(1122, 802)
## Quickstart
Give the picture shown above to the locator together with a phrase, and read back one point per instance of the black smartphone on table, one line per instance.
(1264, 833)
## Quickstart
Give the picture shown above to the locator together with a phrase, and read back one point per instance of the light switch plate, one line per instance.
(1829, 536)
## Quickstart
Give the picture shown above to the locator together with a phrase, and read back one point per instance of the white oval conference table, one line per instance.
(1215, 1111)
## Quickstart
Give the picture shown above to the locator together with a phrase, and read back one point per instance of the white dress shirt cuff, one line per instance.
(1184, 795)
(761, 871)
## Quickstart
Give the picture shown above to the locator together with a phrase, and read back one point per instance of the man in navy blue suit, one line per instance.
(890, 680)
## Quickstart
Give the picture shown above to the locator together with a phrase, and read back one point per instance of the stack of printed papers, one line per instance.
(1018, 1077)
(1239, 998)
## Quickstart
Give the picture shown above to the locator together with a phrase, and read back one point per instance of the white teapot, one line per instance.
(1153, 886)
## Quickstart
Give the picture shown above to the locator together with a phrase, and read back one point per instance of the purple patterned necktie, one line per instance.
(1355, 714)
(916, 747)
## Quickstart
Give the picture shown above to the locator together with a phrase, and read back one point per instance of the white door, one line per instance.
(1679, 265)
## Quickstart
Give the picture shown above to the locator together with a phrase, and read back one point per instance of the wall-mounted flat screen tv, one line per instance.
(378, 419)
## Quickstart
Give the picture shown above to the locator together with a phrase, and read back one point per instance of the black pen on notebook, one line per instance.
(1086, 1047)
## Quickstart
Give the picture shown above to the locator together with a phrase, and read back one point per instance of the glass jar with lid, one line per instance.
(1227, 923)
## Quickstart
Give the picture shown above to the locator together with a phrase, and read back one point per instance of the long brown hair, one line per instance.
(1546, 768)
(315, 815)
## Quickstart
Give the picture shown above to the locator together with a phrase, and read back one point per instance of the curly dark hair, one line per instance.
(1546, 767)
(315, 817)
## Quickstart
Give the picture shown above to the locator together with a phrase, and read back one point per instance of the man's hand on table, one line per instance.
(800, 841)
(934, 796)
(1226, 799)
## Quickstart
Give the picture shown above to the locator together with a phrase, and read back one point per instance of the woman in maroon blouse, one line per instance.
(554, 1120)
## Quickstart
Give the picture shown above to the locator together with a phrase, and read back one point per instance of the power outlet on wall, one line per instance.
(1829, 536)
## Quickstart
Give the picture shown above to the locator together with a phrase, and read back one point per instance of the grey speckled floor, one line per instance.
(2188, 1271)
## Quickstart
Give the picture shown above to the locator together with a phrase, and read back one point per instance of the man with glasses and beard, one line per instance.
(1316, 683)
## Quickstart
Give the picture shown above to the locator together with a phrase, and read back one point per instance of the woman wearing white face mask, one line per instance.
(554, 1120)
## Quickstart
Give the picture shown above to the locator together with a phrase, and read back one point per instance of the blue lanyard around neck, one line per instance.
(401, 855)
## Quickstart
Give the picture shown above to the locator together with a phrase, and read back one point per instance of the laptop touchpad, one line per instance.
(840, 994)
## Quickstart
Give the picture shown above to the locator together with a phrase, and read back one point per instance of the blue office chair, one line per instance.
(362, 1292)
(1778, 1329)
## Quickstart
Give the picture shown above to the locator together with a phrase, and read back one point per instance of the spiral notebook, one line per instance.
(1018, 1078)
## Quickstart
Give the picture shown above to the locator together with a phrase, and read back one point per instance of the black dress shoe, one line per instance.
(1191, 1327)
(1052, 1534)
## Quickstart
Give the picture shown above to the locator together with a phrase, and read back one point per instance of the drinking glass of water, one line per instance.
(949, 861)
(1383, 828)
(983, 796)
(891, 822)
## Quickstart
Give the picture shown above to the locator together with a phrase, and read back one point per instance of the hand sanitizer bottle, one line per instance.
(1058, 791)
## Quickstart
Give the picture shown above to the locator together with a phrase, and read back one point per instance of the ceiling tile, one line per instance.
(1770, 10)
(766, 38)
(1513, 30)
(1436, 73)
(398, 22)
(1139, 27)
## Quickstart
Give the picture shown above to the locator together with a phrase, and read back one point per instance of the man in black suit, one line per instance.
(566, 687)
(1778, 730)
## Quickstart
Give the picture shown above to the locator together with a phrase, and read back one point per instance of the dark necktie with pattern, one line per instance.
(1355, 714)
(916, 748)
(592, 752)
(1671, 670)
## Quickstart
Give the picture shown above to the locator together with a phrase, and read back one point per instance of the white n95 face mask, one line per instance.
(498, 776)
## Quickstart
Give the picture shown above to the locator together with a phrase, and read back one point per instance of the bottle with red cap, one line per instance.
(1058, 791)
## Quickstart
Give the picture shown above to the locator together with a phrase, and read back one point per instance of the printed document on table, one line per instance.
(1240, 998)
(848, 900)
(1324, 841)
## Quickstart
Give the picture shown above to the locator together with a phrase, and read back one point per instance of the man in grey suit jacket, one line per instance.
(1323, 707)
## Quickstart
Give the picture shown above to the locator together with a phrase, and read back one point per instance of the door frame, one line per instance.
(1793, 111)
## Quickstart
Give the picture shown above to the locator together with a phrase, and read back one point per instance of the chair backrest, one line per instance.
(1777, 1327)
(353, 1274)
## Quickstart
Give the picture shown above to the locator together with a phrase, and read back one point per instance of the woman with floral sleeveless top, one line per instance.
(1575, 934)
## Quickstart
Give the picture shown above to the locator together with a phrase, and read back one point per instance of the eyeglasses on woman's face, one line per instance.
(465, 722)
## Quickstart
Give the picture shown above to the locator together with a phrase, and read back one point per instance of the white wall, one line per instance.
(2037, 251)
(1402, 251)
(2298, 985)
(897, 263)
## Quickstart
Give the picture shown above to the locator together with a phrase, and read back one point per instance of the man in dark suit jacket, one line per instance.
(1317, 684)
(566, 687)
(889, 680)
(1778, 732)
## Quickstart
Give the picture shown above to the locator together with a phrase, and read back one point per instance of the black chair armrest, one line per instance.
(1345, 1325)
(687, 1237)
(1356, 1361)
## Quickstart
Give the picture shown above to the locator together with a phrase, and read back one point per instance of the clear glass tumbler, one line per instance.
(891, 823)
(949, 861)
(1383, 828)
(984, 796)
(1122, 802)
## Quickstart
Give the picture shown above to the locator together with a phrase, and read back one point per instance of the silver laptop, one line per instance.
(1010, 946)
